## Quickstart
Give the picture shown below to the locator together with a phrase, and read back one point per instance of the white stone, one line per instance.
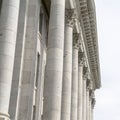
(74, 94)
(54, 65)
(8, 30)
(67, 74)
(80, 91)
(84, 100)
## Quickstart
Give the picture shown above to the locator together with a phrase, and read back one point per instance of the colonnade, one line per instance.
(66, 92)
(66, 96)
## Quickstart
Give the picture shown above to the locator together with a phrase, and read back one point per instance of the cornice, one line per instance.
(87, 19)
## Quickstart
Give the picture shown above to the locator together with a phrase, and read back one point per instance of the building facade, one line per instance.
(49, 61)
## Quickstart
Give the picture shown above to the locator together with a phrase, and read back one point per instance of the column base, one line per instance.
(4, 116)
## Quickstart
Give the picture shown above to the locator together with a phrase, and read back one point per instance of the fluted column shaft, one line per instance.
(8, 32)
(80, 90)
(74, 95)
(54, 63)
(67, 67)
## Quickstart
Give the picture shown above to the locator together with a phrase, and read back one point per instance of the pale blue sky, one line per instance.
(108, 97)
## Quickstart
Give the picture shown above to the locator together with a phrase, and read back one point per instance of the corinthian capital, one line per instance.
(81, 57)
(70, 17)
(76, 40)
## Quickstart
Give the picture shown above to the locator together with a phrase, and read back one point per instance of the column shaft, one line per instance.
(8, 32)
(54, 63)
(90, 108)
(87, 103)
(84, 99)
(67, 75)
(80, 91)
(74, 97)
(18, 62)
(92, 114)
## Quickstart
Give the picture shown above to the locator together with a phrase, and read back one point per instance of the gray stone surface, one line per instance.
(84, 99)
(67, 69)
(74, 95)
(54, 63)
(8, 30)
(29, 66)
(90, 110)
(80, 90)
(66, 95)
(87, 105)
(18, 62)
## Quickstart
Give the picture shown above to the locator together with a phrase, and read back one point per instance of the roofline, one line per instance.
(87, 19)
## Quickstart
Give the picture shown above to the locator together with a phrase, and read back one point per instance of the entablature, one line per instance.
(87, 18)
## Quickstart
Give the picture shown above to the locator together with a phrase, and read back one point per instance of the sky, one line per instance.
(108, 25)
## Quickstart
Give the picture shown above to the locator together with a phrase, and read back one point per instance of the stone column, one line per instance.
(90, 108)
(67, 66)
(84, 93)
(74, 95)
(80, 85)
(84, 99)
(27, 93)
(18, 61)
(92, 118)
(54, 63)
(87, 103)
(92, 114)
(88, 99)
(8, 32)
(92, 104)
